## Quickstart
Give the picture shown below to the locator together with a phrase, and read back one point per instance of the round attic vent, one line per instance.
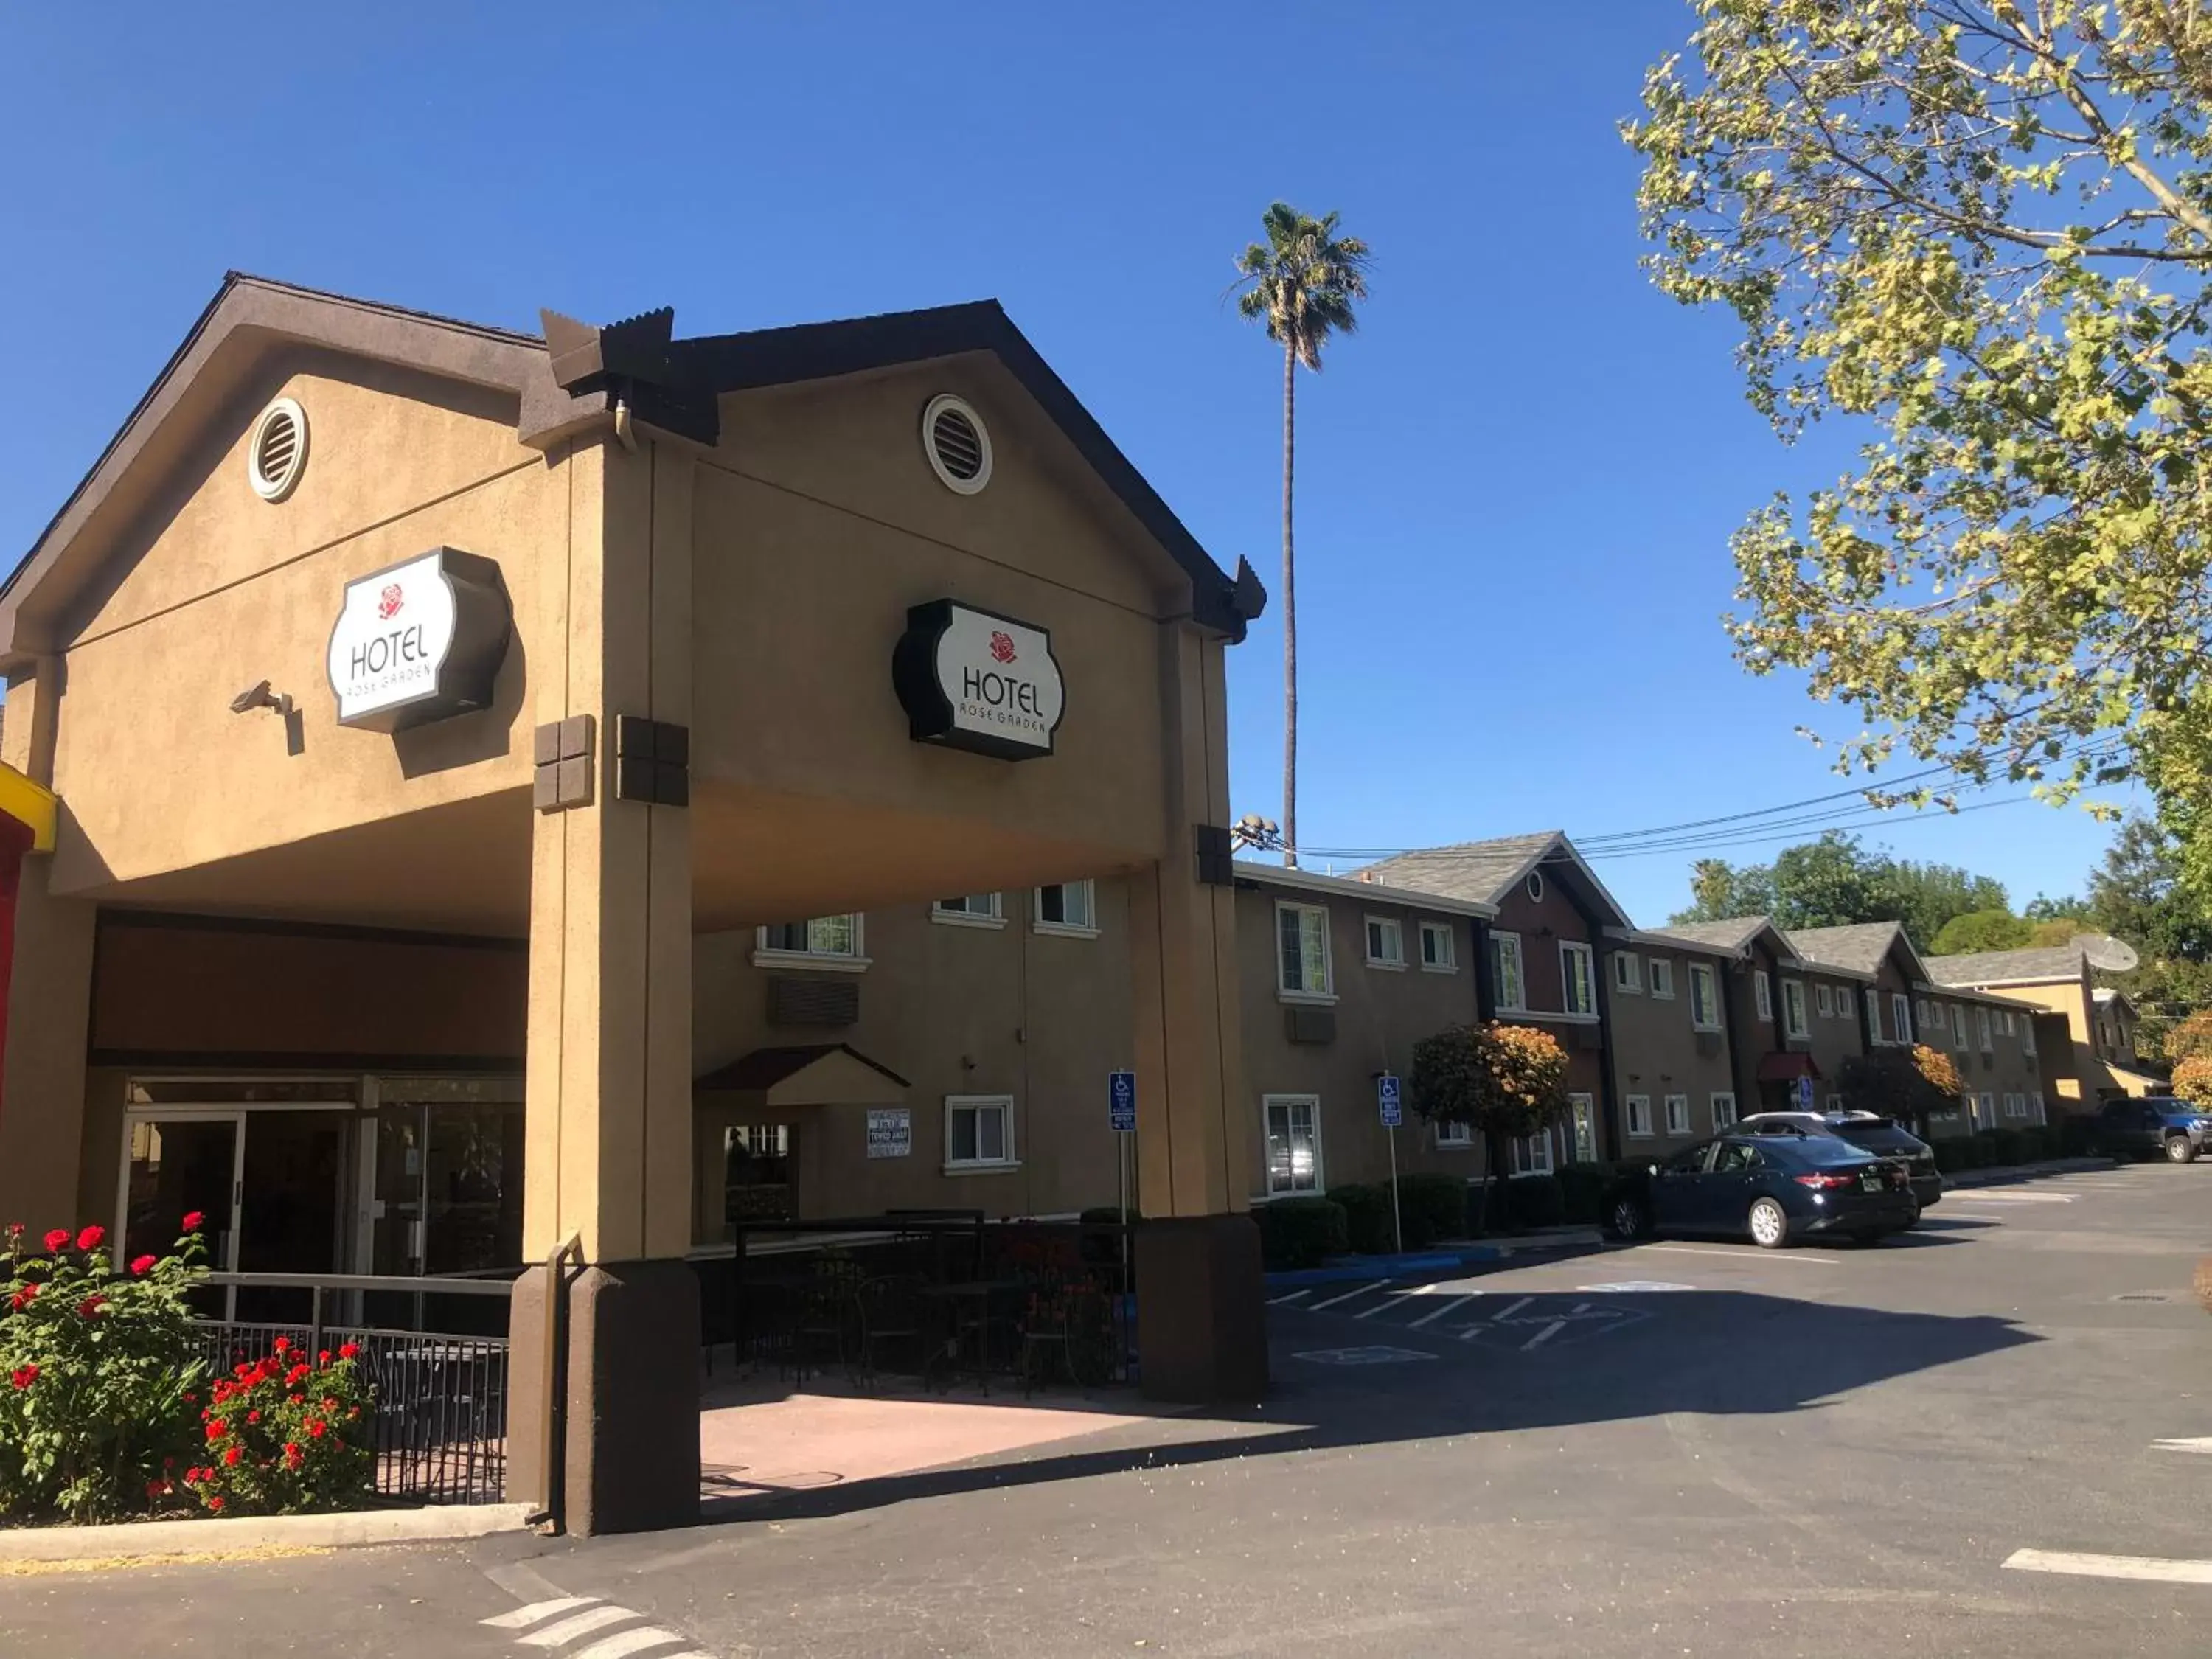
(1535, 885)
(277, 450)
(958, 447)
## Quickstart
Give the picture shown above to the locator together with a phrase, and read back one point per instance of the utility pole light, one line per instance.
(1259, 834)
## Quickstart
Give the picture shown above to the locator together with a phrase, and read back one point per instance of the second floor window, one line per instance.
(1386, 942)
(823, 936)
(1663, 977)
(1900, 1010)
(1705, 998)
(1512, 989)
(1793, 1009)
(1577, 980)
(1302, 956)
(1983, 1026)
(1439, 947)
(1958, 1026)
(972, 906)
(1073, 905)
(1762, 993)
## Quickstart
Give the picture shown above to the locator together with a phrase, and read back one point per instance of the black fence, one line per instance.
(440, 1426)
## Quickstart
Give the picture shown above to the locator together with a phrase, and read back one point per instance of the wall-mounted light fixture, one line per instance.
(260, 696)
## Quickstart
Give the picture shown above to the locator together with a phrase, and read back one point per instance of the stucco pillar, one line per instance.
(608, 1078)
(1201, 1323)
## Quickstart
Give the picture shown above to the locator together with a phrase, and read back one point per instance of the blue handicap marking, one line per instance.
(1387, 1095)
(1804, 1093)
(1122, 1102)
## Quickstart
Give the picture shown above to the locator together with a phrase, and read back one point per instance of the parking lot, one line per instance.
(1989, 1436)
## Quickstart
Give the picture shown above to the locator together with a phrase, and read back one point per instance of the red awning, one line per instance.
(1786, 1067)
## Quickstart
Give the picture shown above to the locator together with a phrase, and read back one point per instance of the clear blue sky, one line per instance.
(1516, 484)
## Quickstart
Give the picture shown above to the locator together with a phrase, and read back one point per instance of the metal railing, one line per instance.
(440, 1427)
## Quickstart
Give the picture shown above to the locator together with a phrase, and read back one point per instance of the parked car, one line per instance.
(1772, 1188)
(1885, 1137)
(2157, 1127)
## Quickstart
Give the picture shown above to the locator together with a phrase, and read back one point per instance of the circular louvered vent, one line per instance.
(958, 447)
(278, 450)
(1535, 885)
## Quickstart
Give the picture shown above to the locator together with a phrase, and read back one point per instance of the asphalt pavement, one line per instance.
(1991, 1435)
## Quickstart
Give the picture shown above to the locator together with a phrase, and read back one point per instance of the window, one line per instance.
(1068, 907)
(1639, 1117)
(834, 940)
(1583, 1115)
(1678, 1114)
(1823, 1002)
(2012, 1105)
(1835, 1104)
(1762, 994)
(1628, 972)
(2004, 1022)
(1900, 1016)
(1873, 1014)
(976, 910)
(1723, 1112)
(1505, 970)
(1663, 977)
(1578, 981)
(1793, 1009)
(1293, 1144)
(1984, 1023)
(1386, 942)
(1958, 1025)
(2035, 1104)
(979, 1132)
(1302, 956)
(1704, 997)
(1532, 1155)
(1454, 1135)
(1985, 1111)
(1439, 948)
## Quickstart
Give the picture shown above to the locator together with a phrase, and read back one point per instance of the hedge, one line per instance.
(1534, 1201)
(1366, 1217)
(1431, 1207)
(1583, 1191)
(1300, 1232)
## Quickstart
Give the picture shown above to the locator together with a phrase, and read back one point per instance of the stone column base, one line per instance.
(1201, 1309)
(631, 1395)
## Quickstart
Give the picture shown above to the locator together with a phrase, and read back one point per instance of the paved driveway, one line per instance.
(1681, 1448)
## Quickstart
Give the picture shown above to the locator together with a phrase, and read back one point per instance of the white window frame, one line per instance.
(1636, 1106)
(1722, 1105)
(1705, 973)
(1795, 1022)
(1298, 994)
(1663, 978)
(1824, 1000)
(1577, 948)
(1447, 960)
(1394, 932)
(1498, 943)
(2035, 1105)
(1678, 1114)
(1984, 1028)
(1959, 1026)
(993, 916)
(1531, 1155)
(1919, 1014)
(1267, 1105)
(1762, 995)
(834, 961)
(1454, 1135)
(1987, 1117)
(1835, 1104)
(2004, 1022)
(1008, 1159)
(1874, 1017)
(1066, 929)
(1581, 1127)
(1900, 1014)
(1628, 973)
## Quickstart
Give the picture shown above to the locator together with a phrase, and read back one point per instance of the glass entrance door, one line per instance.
(291, 1208)
(173, 1166)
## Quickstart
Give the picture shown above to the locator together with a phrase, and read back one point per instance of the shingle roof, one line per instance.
(2006, 967)
(1859, 946)
(1731, 934)
(1484, 870)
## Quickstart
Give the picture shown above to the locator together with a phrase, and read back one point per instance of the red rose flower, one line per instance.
(323, 1359)
(217, 1429)
(90, 1238)
(193, 1219)
(91, 1306)
(216, 1504)
(348, 1350)
(58, 1239)
(142, 1266)
(230, 1458)
(295, 1375)
(281, 1344)
(23, 1375)
(23, 1298)
(316, 1428)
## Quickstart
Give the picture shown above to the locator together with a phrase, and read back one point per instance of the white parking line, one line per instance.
(1369, 1313)
(2154, 1568)
(1508, 1312)
(1744, 1255)
(1544, 1335)
(1360, 1289)
(2005, 1195)
(537, 1612)
(1452, 1306)
(559, 1635)
(2202, 1444)
(623, 1643)
(1292, 1295)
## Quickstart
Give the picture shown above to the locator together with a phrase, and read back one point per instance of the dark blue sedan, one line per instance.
(1773, 1189)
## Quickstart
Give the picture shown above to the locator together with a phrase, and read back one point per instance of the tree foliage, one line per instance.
(1503, 1081)
(1983, 228)
(1832, 882)
(1909, 1084)
(1982, 930)
(2193, 1079)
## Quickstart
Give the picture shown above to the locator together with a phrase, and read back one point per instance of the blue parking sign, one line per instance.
(1387, 1096)
(1122, 1102)
(1804, 1093)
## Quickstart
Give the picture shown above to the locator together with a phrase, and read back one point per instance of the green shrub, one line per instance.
(285, 1434)
(2009, 1146)
(1431, 1206)
(100, 1378)
(1955, 1153)
(1300, 1232)
(1583, 1191)
(1366, 1217)
(1534, 1201)
(2077, 1134)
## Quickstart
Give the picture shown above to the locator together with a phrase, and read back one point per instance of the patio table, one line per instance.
(968, 1305)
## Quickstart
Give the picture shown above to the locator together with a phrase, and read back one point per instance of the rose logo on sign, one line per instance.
(420, 641)
(1002, 646)
(976, 680)
(390, 603)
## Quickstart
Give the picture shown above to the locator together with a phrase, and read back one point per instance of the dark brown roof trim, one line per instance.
(763, 1068)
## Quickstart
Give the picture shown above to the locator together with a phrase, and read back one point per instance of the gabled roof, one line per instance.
(580, 381)
(2044, 965)
(1488, 870)
(1353, 887)
(1859, 946)
(811, 1074)
(1732, 933)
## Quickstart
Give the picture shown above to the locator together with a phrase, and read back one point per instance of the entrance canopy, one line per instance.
(808, 1074)
(1786, 1067)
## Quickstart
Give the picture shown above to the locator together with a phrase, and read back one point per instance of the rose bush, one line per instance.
(286, 1433)
(102, 1375)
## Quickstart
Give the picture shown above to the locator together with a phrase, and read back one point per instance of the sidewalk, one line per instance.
(1441, 1259)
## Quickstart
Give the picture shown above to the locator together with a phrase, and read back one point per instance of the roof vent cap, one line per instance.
(957, 444)
(277, 450)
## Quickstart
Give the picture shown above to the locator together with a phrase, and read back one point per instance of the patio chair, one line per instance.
(827, 1317)
(1068, 1327)
(890, 1314)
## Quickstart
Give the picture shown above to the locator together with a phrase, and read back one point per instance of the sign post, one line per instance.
(1804, 1093)
(1122, 1119)
(1388, 1098)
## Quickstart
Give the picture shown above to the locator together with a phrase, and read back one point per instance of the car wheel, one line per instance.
(1630, 1219)
(1770, 1224)
(2181, 1149)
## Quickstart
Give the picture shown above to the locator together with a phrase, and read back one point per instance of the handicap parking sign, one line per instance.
(1804, 1093)
(1387, 1095)
(1122, 1102)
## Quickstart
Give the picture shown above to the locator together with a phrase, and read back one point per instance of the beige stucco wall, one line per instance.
(1657, 1051)
(1832, 1038)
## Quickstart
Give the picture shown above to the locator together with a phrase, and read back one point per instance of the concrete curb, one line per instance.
(2022, 1171)
(1347, 1269)
(213, 1537)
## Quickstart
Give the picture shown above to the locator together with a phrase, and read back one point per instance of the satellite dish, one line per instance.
(2110, 954)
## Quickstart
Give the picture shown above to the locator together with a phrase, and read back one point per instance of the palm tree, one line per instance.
(1301, 282)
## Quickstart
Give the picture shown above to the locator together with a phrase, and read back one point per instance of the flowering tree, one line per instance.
(1912, 1085)
(2192, 1078)
(1505, 1082)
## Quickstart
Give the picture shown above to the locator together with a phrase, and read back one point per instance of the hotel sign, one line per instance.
(419, 642)
(973, 679)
